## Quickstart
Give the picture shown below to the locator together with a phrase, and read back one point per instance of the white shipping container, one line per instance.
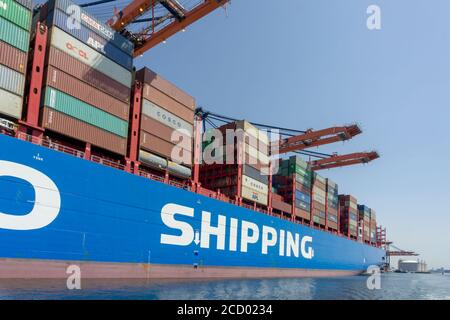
(165, 117)
(319, 198)
(255, 185)
(255, 153)
(254, 195)
(319, 191)
(10, 104)
(89, 56)
(321, 179)
(253, 131)
(11, 80)
(351, 205)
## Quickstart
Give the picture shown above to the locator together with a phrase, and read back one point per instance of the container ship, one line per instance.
(102, 166)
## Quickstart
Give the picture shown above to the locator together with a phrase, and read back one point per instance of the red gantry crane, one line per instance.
(299, 141)
(160, 27)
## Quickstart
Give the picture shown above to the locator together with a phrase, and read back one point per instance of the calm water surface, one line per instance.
(393, 286)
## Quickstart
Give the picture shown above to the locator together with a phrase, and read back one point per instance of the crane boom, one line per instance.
(317, 138)
(343, 160)
(183, 18)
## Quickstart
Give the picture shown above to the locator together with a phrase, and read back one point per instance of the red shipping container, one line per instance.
(71, 127)
(84, 92)
(82, 71)
(13, 58)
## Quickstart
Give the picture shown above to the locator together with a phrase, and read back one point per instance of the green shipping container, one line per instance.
(14, 35)
(299, 170)
(17, 14)
(82, 111)
(303, 180)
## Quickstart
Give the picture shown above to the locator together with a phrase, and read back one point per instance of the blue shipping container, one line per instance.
(333, 205)
(26, 3)
(302, 196)
(94, 24)
(59, 18)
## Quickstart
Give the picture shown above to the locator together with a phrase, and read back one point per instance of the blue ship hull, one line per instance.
(57, 210)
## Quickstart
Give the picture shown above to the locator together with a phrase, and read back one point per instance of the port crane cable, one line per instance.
(207, 116)
(223, 118)
(95, 3)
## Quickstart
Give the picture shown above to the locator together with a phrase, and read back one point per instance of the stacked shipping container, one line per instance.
(364, 220)
(348, 216)
(319, 197)
(293, 182)
(167, 122)
(15, 25)
(373, 226)
(87, 78)
(332, 205)
(252, 182)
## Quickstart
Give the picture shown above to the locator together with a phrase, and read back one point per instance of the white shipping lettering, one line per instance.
(168, 213)
(266, 242)
(284, 243)
(208, 231)
(246, 238)
(96, 45)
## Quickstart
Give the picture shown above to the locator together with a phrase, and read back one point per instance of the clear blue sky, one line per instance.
(314, 64)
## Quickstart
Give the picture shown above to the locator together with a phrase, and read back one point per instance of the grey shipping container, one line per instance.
(255, 174)
(162, 131)
(11, 80)
(26, 3)
(10, 104)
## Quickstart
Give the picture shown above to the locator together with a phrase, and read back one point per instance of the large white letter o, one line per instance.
(47, 199)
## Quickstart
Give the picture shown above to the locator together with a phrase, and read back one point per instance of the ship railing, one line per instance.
(150, 176)
(50, 144)
(207, 193)
(107, 162)
(179, 185)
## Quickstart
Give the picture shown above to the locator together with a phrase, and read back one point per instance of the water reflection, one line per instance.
(394, 286)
